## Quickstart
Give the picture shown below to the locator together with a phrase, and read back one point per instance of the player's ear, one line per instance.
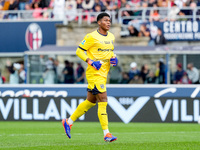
(99, 22)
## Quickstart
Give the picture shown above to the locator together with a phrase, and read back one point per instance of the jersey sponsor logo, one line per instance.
(83, 42)
(103, 60)
(33, 36)
(107, 42)
(104, 50)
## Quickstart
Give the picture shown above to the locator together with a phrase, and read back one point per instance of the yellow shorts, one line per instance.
(96, 84)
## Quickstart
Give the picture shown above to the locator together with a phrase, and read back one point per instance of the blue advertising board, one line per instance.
(179, 30)
(125, 103)
(22, 36)
(80, 91)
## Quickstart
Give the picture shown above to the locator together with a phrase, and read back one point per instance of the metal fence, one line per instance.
(80, 15)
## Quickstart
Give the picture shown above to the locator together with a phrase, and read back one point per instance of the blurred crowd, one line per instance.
(71, 7)
(70, 73)
(157, 76)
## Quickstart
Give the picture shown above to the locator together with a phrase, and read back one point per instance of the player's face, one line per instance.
(105, 23)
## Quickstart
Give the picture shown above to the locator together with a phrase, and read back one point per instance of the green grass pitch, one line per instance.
(89, 136)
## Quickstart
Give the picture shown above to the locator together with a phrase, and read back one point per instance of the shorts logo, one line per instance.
(33, 36)
(102, 86)
(83, 42)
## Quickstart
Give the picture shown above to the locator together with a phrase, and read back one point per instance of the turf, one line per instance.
(89, 136)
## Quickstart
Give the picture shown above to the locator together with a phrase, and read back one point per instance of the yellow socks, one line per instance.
(82, 109)
(102, 114)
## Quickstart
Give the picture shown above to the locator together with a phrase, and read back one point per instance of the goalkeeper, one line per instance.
(99, 47)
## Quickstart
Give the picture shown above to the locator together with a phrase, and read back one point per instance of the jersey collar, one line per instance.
(101, 34)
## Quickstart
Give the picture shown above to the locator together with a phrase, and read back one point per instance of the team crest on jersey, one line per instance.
(83, 42)
(102, 86)
(33, 36)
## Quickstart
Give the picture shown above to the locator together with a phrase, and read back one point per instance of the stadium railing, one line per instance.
(80, 15)
(145, 17)
(48, 15)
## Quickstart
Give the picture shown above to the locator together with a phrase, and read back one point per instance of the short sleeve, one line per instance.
(87, 42)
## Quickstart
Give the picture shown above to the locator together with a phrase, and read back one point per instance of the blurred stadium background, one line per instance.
(156, 80)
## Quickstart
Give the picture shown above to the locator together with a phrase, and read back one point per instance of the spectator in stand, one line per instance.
(1, 8)
(144, 72)
(144, 31)
(173, 13)
(111, 5)
(193, 73)
(125, 78)
(178, 74)
(151, 3)
(181, 14)
(115, 74)
(154, 14)
(193, 6)
(68, 73)
(22, 74)
(171, 3)
(99, 3)
(136, 80)
(180, 3)
(27, 15)
(132, 31)
(44, 3)
(13, 70)
(51, 4)
(127, 13)
(2, 78)
(79, 4)
(88, 4)
(80, 73)
(37, 13)
(6, 5)
(58, 9)
(133, 71)
(160, 39)
(49, 73)
(151, 78)
(97, 8)
(163, 12)
(160, 3)
(185, 79)
(22, 4)
(13, 5)
(71, 11)
(145, 5)
(59, 77)
(123, 3)
(135, 2)
(161, 74)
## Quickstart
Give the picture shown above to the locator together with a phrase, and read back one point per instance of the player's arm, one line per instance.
(87, 42)
(95, 64)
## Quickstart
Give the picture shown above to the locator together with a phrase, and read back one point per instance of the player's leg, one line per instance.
(83, 107)
(80, 110)
(103, 117)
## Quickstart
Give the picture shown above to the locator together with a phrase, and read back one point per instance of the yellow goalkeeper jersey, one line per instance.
(99, 48)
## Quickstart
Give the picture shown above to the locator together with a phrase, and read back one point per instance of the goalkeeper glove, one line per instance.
(95, 64)
(113, 61)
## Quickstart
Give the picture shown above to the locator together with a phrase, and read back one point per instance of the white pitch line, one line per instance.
(30, 134)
